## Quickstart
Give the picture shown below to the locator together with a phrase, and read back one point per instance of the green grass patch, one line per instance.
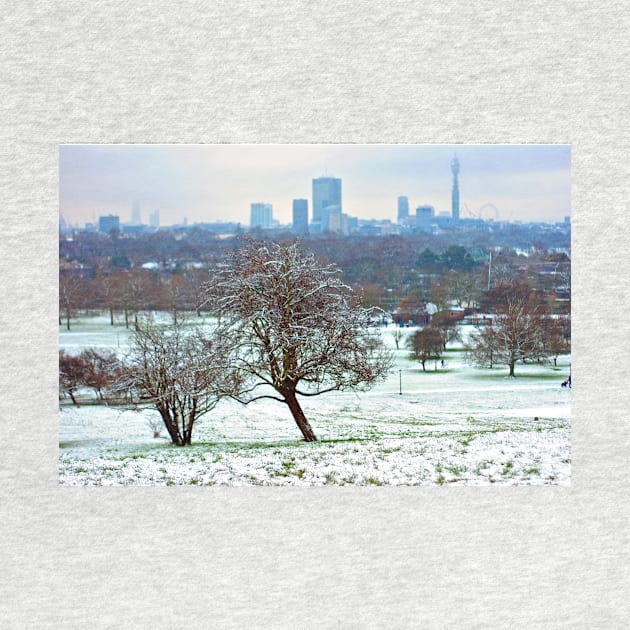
(502, 373)
(373, 481)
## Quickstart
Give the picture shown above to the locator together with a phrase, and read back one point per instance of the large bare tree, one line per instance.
(517, 333)
(295, 328)
(181, 372)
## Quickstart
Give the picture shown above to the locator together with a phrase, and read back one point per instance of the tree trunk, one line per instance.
(111, 316)
(74, 400)
(299, 417)
(512, 363)
(171, 426)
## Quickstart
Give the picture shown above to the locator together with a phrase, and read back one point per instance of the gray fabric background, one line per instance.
(358, 72)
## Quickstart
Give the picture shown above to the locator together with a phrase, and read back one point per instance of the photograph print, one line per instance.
(315, 315)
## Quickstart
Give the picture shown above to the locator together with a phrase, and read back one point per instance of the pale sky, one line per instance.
(209, 183)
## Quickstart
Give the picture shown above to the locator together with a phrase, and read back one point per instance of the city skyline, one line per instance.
(211, 183)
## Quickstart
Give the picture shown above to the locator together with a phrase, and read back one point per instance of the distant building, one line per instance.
(326, 194)
(108, 223)
(261, 215)
(424, 217)
(135, 214)
(300, 215)
(455, 193)
(63, 226)
(330, 219)
(130, 228)
(220, 227)
(403, 209)
(154, 219)
(372, 227)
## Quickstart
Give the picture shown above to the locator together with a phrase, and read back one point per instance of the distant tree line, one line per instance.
(391, 272)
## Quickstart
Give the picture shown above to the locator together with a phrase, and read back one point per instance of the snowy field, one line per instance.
(460, 425)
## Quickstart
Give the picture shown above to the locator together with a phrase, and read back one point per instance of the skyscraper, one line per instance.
(403, 208)
(261, 215)
(326, 194)
(300, 215)
(135, 213)
(455, 196)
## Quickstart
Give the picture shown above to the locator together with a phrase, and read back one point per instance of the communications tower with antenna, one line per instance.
(455, 194)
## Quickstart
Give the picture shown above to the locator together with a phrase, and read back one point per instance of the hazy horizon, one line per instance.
(210, 183)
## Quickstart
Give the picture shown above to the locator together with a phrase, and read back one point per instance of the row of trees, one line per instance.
(287, 327)
(128, 292)
(95, 369)
(391, 271)
(521, 329)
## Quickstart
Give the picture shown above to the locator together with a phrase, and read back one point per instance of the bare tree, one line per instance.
(517, 333)
(398, 335)
(294, 327)
(462, 286)
(426, 344)
(483, 347)
(182, 373)
(446, 323)
(196, 280)
(72, 289)
(556, 338)
(176, 292)
(71, 374)
(101, 370)
(136, 294)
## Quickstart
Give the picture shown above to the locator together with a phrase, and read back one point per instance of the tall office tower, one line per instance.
(300, 215)
(403, 208)
(326, 193)
(261, 215)
(455, 197)
(135, 213)
(154, 219)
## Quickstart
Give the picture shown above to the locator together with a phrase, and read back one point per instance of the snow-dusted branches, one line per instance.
(521, 331)
(294, 326)
(181, 372)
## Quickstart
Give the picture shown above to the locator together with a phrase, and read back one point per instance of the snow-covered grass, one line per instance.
(460, 425)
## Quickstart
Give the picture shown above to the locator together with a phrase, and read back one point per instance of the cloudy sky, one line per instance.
(208, 183)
